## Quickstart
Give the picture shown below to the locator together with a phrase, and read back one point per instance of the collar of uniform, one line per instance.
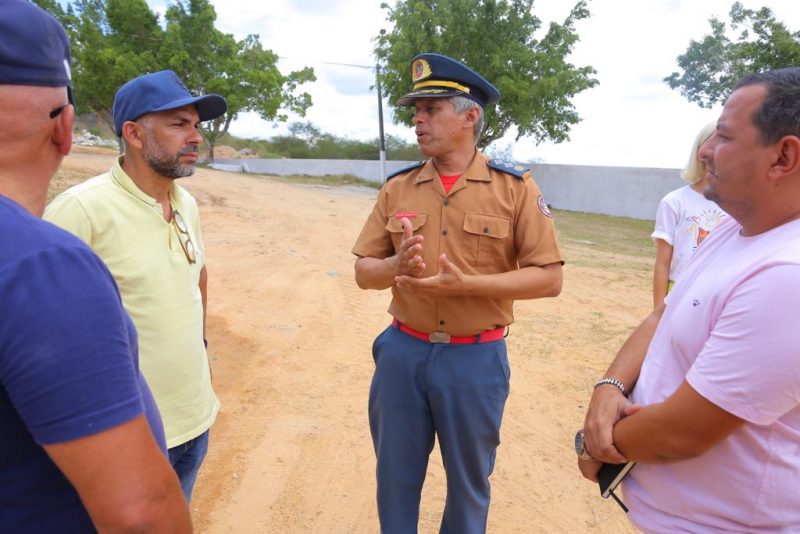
(478, 170)
(122, 179)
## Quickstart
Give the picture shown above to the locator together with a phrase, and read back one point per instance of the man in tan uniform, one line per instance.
(458, 238)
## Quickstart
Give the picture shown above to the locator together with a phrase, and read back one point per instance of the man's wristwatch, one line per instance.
(580, 447)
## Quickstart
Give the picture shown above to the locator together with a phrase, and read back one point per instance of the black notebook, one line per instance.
(609, 477)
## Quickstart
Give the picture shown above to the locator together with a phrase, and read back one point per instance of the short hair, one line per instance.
(695, 168)
(779, 114)
(461, 104)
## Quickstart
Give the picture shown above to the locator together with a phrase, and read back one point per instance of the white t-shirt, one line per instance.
(730, 329)
(683, 219)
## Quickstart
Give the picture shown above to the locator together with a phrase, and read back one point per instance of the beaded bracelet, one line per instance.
(613, 381)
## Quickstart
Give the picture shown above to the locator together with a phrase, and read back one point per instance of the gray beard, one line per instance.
(166, 165)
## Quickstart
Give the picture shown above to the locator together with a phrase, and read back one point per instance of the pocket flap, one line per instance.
(488, 225)
(396, 225)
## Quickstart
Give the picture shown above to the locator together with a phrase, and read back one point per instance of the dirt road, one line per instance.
(290, 336)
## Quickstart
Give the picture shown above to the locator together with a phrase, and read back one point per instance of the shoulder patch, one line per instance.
(510, 167)
(543, 207)
(405, 170)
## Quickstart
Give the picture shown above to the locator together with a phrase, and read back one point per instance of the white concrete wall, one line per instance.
(624, 191)
(365, 169)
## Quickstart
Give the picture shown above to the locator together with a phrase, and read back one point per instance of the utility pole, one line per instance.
(381, 140)
(380, 123)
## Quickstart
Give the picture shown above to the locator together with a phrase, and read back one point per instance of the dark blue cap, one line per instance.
(34, 49)
(161, 91)
(438, 76)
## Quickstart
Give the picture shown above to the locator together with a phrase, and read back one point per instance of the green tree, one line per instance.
(305, 140)
(114, 41)
(496, 38)
(710, 67)
(210, 61)
(53, 7)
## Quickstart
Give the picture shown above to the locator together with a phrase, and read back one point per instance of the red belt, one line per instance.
(443, 337)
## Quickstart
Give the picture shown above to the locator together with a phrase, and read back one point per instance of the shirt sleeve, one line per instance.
(749, 365)
(666, 222)
(375, 241)
(535, 236)
(67, 362)
(67, 212)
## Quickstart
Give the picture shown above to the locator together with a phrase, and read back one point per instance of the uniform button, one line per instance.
(485, 229)
(446, 202)
(444, 232)
(441, 322)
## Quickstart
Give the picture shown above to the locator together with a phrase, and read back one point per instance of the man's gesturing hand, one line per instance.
(448, 281)
(409, 255)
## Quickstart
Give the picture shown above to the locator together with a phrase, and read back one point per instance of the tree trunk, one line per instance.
(106, 116)
(211, 136)
(209, 152)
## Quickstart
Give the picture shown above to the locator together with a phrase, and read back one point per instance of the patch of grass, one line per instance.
(333, 180)
(604, 233)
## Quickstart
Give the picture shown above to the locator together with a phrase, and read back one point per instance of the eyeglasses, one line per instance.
(183, 236)
(56, 112)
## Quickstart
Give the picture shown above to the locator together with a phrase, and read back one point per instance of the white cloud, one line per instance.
(632, 118)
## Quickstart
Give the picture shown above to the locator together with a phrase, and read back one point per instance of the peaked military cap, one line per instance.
(438, 76)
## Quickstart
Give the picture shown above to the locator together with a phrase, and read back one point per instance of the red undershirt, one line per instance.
(449, 181)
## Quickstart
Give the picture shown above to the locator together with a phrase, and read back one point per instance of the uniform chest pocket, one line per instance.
(395, 227)
(488, 236)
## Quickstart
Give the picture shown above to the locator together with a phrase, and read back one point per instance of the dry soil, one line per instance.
(290, 335)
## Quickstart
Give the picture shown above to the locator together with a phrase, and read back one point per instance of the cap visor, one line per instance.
(208, 106)
(408, 99)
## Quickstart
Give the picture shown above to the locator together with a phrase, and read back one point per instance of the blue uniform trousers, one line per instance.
(457, 392)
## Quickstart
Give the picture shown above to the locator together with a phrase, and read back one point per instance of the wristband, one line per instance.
(613, 381)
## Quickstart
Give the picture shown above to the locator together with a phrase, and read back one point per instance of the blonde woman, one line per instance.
(683, 219)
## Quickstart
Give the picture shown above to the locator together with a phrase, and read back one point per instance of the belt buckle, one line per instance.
(439, 337)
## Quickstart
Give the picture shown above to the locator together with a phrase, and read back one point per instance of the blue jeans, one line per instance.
(186, 460)
(421, 390)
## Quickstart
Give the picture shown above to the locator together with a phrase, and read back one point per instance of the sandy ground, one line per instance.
(290, 336)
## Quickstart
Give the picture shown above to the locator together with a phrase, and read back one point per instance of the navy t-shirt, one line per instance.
(68, 367)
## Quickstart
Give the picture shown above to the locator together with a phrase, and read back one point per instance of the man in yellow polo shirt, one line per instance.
(146, 229)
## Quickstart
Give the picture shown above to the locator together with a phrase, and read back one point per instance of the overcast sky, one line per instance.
(632, 118)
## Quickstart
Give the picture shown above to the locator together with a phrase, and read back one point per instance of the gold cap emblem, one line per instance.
(420, 69)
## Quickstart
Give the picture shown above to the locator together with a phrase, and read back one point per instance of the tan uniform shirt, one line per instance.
(490, 222)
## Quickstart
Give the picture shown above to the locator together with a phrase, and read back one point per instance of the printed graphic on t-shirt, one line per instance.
(701, 225)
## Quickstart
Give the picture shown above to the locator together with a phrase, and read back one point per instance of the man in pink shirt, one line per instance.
(714, 419)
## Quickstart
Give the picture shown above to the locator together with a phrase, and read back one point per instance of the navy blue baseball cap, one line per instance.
(161, 91)
(438, 76)
(34, 49)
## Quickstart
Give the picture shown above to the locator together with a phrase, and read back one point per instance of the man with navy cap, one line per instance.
(458, 238)
(82, 445)
(146, 228)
